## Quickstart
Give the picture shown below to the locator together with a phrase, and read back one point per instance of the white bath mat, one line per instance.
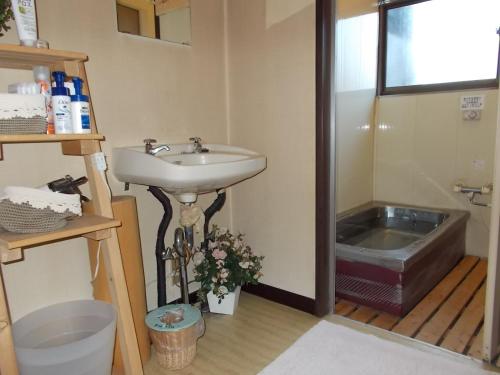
(333, 349)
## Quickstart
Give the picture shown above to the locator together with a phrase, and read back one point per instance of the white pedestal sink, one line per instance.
(183, 173)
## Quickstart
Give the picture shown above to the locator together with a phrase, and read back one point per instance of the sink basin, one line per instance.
(186, 174)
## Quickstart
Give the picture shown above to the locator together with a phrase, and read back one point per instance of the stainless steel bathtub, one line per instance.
(391, 235)
(389, 256)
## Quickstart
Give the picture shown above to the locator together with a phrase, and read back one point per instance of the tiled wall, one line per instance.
(423, 147)
(354, 148)
(355, 81)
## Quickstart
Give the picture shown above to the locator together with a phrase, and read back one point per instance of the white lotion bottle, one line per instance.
(61, 105)
(80, 112)
(25, 15)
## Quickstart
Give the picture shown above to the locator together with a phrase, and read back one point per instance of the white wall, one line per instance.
(423, 147)
(272, 81)
(355, 129)
(140, 88)
(355, 82)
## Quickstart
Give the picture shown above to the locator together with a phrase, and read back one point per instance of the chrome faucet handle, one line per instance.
(149, 146)
(195, 139)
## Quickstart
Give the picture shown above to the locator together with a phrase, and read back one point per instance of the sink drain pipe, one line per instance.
(162, 254)
(180, 248)
(216, 206)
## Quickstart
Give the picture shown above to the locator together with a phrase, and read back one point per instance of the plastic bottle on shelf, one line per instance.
(61, 105)
(24, 88)
(80, 112)
(42, 78)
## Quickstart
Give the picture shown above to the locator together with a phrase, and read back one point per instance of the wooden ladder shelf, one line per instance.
(99, 227)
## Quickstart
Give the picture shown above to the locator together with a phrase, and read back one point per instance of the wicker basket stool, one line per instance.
(174, 330)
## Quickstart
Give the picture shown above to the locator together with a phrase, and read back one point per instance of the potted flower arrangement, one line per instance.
(222, 268)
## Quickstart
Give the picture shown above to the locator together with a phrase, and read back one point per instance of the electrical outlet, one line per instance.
(478, 164)
(99, 161)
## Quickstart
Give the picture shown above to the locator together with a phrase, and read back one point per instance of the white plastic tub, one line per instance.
(71, 338)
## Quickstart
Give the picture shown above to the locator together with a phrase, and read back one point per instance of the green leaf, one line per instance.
(6, 15)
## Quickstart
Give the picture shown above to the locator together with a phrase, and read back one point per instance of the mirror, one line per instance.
(168, 20)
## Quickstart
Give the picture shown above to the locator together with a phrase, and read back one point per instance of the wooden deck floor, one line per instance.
(450, 316)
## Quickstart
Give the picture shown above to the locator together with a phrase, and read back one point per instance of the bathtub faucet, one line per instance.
(473, 191)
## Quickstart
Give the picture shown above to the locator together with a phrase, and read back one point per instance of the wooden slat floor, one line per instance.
(450, 316)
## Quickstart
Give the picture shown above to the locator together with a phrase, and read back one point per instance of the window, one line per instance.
(431, 45)
(128, 20)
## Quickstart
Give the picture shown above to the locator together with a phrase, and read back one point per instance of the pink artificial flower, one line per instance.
(219, 263)
(219, 254)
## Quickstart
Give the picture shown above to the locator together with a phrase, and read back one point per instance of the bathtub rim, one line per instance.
(403, 258)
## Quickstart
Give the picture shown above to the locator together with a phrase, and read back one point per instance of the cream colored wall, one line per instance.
(354, 121)
(271, 89)
(355, 82)
(423, 147)
(140, 88)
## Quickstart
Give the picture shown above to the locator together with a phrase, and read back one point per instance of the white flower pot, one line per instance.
(228, 304)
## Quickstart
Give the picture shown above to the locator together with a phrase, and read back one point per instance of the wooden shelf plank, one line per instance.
(40, 138)
(75, 227)
(21, 57)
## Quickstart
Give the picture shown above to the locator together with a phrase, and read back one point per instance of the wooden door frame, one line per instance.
(325, 158)
(491, 335)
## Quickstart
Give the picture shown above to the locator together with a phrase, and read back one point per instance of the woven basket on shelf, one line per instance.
(23, 218)
(28, 210)
(18, 125)
(23, 114)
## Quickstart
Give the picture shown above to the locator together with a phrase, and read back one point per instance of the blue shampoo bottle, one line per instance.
(61, 105)
(80, 111)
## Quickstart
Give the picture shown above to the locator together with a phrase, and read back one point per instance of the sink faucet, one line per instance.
(150, 149)
(197, 146)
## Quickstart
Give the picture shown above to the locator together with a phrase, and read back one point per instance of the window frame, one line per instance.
(416, 89)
